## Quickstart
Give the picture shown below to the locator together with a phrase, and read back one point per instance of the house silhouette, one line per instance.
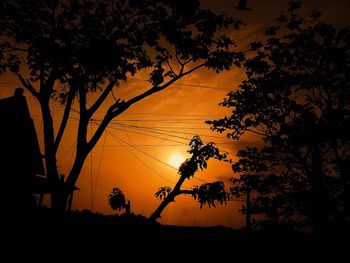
(22, 171)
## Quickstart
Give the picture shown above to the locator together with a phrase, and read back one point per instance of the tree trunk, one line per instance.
(156, 214)
(63, 190)
(59, 198)
(170, 198)
(320, 198)
(128, 208)
(57, 195)
(344, 172)
(248, 212)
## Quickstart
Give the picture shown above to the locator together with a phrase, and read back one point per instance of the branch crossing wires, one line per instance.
(138, 149)
(189, 85)
(99, 170)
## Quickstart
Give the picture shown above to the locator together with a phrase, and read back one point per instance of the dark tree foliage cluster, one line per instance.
(64, 50)
(296, 98)
(116, 199)
(163, 192)
(208, 193)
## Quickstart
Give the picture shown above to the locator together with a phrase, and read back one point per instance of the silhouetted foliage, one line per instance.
(62, 50)
(163, 192)
(242, 5)
(208, 193)
(116, 199)
(200, 155)
(296, 98)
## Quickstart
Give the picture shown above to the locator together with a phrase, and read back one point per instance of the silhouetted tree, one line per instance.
(296, 98)
(63, 50)
(244, 186)
(117, 201)
(208, 193)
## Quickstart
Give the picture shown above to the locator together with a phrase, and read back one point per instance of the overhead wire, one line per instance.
(157, 159)
(174, 136)
(162, 130)
(98, 170)
(135, 147)
(187, 85)
(148, 129)
(182, 121)
(149, 135)
(155, 129)
(66, 153)
(169, 181)
(161, 133)
(15, 83)
(140, 160)
(171, 114)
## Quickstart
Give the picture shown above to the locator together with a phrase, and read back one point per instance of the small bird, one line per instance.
(242, 5)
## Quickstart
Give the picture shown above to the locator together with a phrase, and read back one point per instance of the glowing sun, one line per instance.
(176, 159)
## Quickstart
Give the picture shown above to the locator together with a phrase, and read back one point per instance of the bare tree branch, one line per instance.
(194, 69)
(186, 192)
(101, 98)
(170, 67)
(14, 49)
(28, 86)
(64, 121)
(178, 60)
(120, 106)
(187, 61)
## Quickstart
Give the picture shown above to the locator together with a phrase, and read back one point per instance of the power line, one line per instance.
(159, 160)
(157, 129)
(175, 128)
(164, 163)
(149, 135)
(154, 158)
(161, 120)
(174, 136)
(71, 147)
(145, 80)
(144, 163)
(172, 114)
(143, 151)
(188, 85)
(170, 135)
(138, 145)
(162, 133)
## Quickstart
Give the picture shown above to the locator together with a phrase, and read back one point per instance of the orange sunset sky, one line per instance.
(135, 154)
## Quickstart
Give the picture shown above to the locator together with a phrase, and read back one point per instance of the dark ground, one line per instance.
(81, 236)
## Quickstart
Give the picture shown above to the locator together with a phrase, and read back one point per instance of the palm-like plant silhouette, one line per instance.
(117, 201)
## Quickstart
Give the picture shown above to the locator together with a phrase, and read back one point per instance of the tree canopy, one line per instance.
(296, 98)
(63, 50)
